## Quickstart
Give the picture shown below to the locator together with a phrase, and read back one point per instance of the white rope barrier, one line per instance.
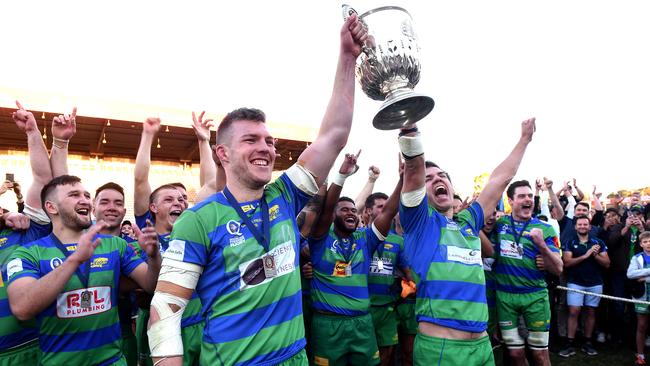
(604, 296)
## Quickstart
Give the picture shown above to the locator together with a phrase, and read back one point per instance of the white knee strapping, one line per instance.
(538, 340)
(512, 338)
(165, 334)
(303, 179)
(413, 198)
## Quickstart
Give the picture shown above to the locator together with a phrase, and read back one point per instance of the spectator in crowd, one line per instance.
(565, 194)
(126, 230)
(639, 270)
(583, 258)
(15, 187)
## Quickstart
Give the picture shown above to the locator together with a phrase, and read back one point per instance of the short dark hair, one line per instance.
(126, 222)
(457, 197)
(583, 204)
(615, 211)
(514, 185)
(154, 194)
(543, 218)
(430, 164)
(110, 185)
(178, 185)
(55, 182)
(580, 217)
(240, 114)
(370, 201)
(345, 199)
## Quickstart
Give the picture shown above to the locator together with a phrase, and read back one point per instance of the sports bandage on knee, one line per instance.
(165, 334)
(538, 340)
(512, 338)
(410, 146)
(303, 179)
(413, 198)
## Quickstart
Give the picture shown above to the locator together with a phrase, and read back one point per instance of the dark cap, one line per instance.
(636, 208)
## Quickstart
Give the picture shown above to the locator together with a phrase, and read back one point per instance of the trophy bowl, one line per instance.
(388, 69)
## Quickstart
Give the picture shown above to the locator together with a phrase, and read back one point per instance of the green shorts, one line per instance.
(343, 340)
(299, 359)
(429, 351)
(384, 320)
(406, 323)
(25, 355)
(129, 347)
(192, 339)
(534, 307)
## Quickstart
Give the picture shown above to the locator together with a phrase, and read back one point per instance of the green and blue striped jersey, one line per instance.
(13, 332)
(69, 333)
(341, 265)
(251, 318)
(382, 281)
(445, 257)
(515, 270)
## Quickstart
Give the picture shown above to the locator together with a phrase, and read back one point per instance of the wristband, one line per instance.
(407, 131)
(372, 176)
(410, 146)
(339, 179)
(60, 143)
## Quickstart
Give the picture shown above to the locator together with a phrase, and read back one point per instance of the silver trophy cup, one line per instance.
(389, 68)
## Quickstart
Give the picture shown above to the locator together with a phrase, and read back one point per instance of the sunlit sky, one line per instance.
(580, 67)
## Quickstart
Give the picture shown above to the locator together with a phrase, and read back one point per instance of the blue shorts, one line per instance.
(577, 299)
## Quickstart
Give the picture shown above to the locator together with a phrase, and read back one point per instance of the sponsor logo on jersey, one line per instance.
(451, 225)
(340, 269)
(469, 231)
(510, 249)
(388, 246)
(14, 266)
(3, 241)
(236, 241)
(71, 248)
(464, 255)
(99, 262)
(233, 227)
(252, 272)
(68, 304)
(55, 262)
(387, 267)
(176, 250)
(274, 212)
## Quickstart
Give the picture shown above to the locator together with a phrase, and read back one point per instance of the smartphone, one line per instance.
(9, 177)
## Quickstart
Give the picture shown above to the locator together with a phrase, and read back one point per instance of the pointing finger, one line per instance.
(359, 153)
(74, 113)
(20, 106)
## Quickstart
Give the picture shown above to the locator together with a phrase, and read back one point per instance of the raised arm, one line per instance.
(366, 191)
(319, 157)
(503, 174)
(208, 171)
(581, 194)
(410, 145)
(29, 296)
(558, 212)
(312, 211)
(38, 158)
(385, 219)
(326, 217)
(142, 188)
(63, 128)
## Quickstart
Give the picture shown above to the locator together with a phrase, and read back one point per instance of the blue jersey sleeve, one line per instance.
(421, 235)
(23, 263)
(141, 220)
(473, 217)
(129, 259)
(295, 198)
(37, 231)
(412, 218)
(189, 240)
(372, 241)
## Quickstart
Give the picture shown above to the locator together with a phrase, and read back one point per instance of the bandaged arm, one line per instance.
(176, 284)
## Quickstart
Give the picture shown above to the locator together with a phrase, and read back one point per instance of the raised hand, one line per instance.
(349, 165)
(548, 183)
(373, 173)
(400, 165)
(16, 221)
(24, 120)
(538, 185)
(537, 236)
(353, 36)
(201, 127)
(86, 245)
(148, 239)
(151, 125)
(64, 126)
(528, 129)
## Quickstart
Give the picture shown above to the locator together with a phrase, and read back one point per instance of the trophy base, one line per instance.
(401, 110)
